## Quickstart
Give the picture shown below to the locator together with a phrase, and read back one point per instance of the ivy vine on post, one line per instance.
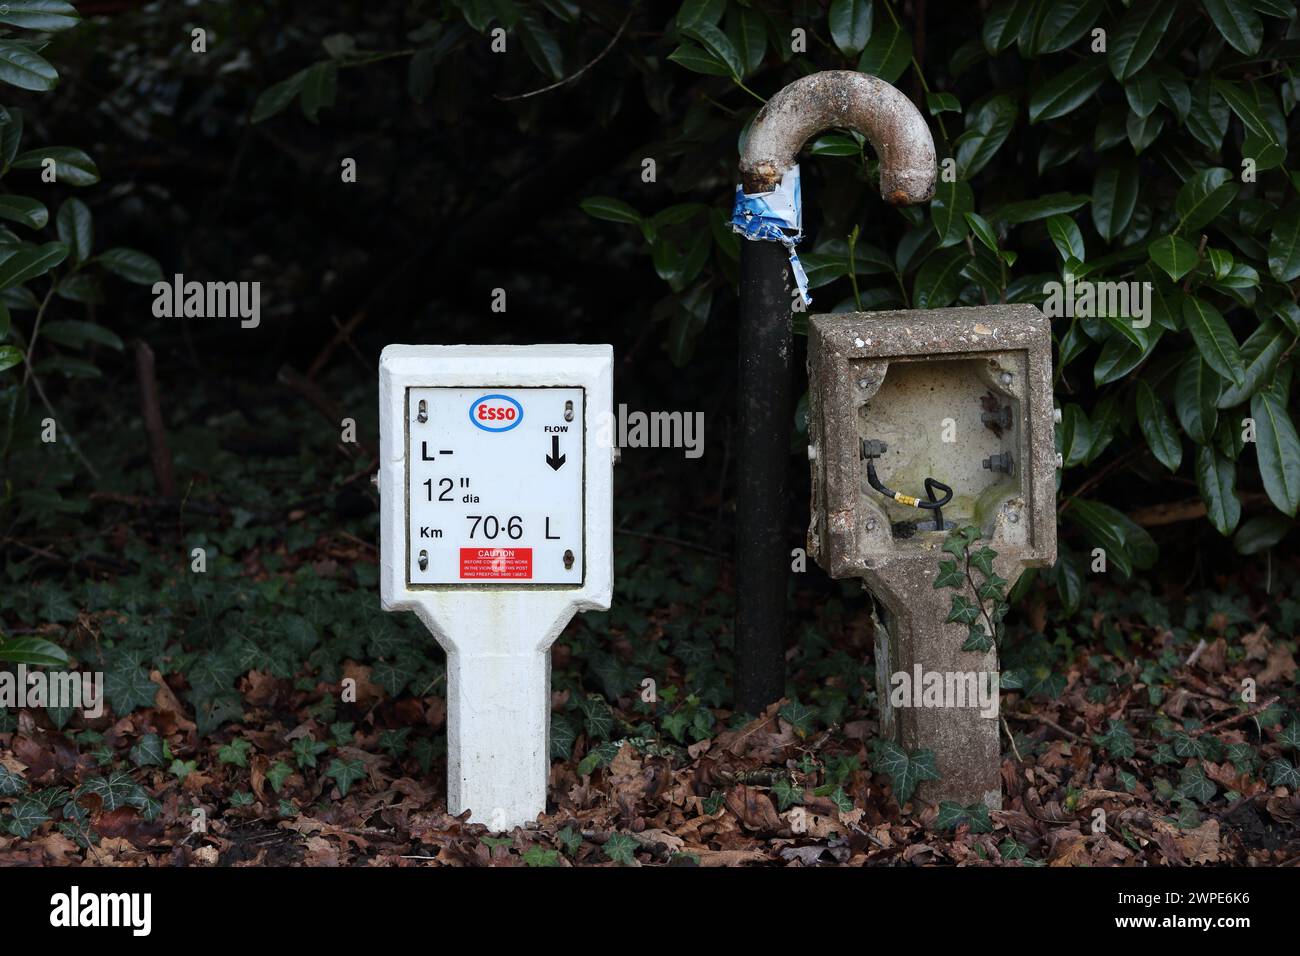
(984, 614)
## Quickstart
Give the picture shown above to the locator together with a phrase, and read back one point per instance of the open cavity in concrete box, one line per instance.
(944, 391)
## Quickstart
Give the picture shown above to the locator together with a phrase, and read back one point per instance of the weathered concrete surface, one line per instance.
(842, 98)
(999, 352)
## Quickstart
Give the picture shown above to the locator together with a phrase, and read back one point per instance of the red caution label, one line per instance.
(496, 562)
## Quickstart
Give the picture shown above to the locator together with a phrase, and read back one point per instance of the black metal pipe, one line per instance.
(762, 505)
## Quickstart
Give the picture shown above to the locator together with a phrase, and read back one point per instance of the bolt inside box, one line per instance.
(922, 422)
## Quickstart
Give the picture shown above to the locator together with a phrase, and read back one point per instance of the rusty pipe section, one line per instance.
(821, 101)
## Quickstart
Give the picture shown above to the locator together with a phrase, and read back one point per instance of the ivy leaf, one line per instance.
(964, 611)
(129, 687)
(977, 639)
(982, 560)
(306, 750)
(598, 718)
(11, 783)
(621, 848)
(278, 773)
(799, 717)
(563, 735)
(952, 815)
(1194, 785)
(149, 752)
(540, 856)
(345, 773)
(27, 816)
(236, 752)
(1117, 740)
(1289, 736)
(786, 793)
(950, 576)
(905, 770)
(1281, 773)
(116, 790)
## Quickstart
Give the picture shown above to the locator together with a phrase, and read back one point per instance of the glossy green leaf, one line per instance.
(1139, 33)
(985, 133)
(1176, 256)
(888, 52)
(1066, 237)
(610, 209)
(76, 229)
(1196, 395)
(131, 265)
(1204, 196)
(952, 201)
(939, 279)
(1158, 428)
(47, 15)
(22, 68)
(23, 210)
(1237, 22)
(1278, 448)
(1284, 245)
(72, 166)
(1214, 340)
(1114, 195)
(1216, 477)
(1067, 90)
(30, 262)
(850, 25)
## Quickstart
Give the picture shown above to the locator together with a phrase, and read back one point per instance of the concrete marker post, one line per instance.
(496, 498)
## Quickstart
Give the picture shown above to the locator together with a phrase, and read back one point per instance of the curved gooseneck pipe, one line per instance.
(821, 101)
(900, 137)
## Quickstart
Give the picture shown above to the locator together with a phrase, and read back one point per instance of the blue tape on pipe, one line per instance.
(775, 216)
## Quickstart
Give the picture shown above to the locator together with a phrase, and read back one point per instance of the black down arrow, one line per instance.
(555, 459)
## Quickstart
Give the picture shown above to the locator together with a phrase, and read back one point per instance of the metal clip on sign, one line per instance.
(768, 210)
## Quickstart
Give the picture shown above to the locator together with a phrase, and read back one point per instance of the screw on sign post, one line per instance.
(496, 527)
(920, 424)
(768, 204)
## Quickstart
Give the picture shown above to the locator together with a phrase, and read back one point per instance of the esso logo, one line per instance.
(496, 413)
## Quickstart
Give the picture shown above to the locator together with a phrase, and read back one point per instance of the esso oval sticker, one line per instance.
(496, 413)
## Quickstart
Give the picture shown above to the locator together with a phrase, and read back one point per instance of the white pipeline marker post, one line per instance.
(495, 528)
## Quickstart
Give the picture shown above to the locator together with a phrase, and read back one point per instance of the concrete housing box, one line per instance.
(945, 390)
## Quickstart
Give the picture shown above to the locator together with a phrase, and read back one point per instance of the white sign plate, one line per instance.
(494, 486)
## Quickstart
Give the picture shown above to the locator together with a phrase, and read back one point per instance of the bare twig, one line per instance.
(160, 456)
(573, 76)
